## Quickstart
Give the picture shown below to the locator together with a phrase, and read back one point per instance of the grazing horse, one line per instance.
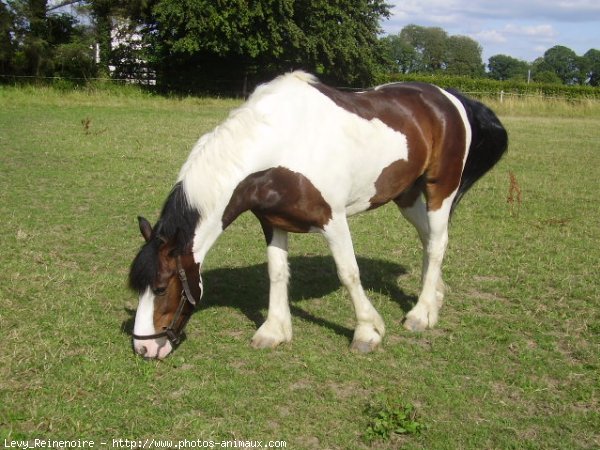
(303, 156)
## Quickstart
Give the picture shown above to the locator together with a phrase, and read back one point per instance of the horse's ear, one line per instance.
(145, 228)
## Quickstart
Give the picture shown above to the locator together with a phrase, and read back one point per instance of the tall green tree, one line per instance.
(75, 58)
(7, 49)
(543, 72)
(504, 67)
(340, 38)
(32, 55)
(565, 63)
(430, 50)
(463, 57)
(230, 39)
(430, 45)
(401, 56)
(592, 57)
(44, 42)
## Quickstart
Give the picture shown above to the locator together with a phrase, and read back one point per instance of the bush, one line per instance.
(482, 87)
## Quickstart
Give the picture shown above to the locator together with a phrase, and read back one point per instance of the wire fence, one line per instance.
(502, 95)
(16, 78)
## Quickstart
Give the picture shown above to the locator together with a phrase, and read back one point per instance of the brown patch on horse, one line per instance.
(409, 196)
(392, 182)
(280, 198)
(434, 132)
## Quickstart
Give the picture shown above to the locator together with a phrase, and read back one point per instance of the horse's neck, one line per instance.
(210, 177)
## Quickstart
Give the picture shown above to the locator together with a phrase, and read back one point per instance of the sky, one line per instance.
(523, 29)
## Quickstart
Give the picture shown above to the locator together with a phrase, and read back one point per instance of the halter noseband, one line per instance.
(173, 335)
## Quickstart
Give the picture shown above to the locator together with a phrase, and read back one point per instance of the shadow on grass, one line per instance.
(312, 277)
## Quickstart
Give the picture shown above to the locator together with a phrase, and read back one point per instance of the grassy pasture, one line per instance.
(514, 362)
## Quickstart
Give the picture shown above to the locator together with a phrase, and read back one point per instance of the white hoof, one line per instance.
(368, 336)
(271, 334)
(364, 347)
(420, 319)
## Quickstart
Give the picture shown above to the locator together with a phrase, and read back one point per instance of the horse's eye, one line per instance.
(159, 291)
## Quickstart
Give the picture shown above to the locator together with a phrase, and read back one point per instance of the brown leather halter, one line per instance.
(170, 332)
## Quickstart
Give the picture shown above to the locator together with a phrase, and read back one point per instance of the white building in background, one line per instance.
(127, 63)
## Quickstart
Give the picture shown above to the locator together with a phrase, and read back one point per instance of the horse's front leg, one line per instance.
(278, 326)
(370, 328)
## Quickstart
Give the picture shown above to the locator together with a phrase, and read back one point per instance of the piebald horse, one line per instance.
(303, 156)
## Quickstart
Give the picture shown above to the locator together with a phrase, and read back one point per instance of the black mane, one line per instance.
(144, 267)
(178, 220)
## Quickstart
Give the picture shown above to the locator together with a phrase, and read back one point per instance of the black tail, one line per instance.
(488, 143)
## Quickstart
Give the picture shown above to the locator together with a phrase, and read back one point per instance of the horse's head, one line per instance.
(168, 282)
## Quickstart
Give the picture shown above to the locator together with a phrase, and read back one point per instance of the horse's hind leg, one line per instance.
(278, 326)
(370, 328)
(432, 227)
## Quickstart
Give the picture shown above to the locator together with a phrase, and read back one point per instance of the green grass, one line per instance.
(514, 362)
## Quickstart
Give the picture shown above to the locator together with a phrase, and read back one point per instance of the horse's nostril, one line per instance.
(143, 350)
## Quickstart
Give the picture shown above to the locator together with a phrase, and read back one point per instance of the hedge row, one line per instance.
(485, 87)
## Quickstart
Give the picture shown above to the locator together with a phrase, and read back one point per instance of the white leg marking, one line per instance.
(144, 325)
(278, 326)
(370, 328)
(425, 313)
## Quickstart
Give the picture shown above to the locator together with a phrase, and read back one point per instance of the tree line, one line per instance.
(431, 50)
(203, 45)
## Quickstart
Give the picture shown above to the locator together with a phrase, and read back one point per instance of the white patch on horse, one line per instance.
(341, 153)
(144, 319)
(144, 326)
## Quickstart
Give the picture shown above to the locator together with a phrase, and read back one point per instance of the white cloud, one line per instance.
(585, 9)
(430, 11)
(489, 36)
(540, 32)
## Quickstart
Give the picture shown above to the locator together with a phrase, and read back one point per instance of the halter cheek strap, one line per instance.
(185, 284)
